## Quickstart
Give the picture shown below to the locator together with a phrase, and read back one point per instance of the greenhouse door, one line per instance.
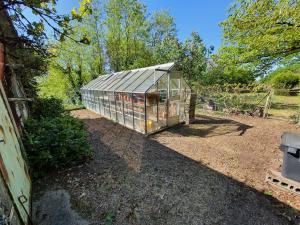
(162, 104)
(174, 99)
(12, 164)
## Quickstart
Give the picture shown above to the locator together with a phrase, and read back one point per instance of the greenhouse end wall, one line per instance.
(153, 103)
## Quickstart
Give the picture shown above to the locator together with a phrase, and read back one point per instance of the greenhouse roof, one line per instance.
(131, 81)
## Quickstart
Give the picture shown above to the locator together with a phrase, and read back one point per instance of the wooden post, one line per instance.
(298, 116)
(2, 62)
(268, 103)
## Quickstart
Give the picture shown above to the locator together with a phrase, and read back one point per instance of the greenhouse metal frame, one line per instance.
(146, 99)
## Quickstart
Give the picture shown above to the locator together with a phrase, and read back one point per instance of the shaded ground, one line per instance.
(211, 172)
(54, 207)
(241, 147)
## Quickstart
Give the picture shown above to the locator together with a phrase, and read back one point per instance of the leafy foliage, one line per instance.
(284, 77)
(32, 32)
(46, 107)
(55, 142)
(26, 39)
(55, 84)
(192, 58)
(287, 80)
(161, 27)
(76, 63)
(126, 32)
(227, 75)
(52, 138)
(121, 37)
(261, 33)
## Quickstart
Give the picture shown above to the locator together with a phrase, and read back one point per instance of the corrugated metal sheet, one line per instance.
(7, 210)
(12, 164)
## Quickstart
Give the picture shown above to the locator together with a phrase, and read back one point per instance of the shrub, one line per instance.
(286, 80)
(46, 107)
(53, 142)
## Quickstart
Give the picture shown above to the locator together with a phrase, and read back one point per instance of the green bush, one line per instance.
(286, 80)
(53, 142)
(46, 107)
(228, 75)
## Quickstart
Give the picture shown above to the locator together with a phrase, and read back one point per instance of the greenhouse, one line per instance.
(146, 100)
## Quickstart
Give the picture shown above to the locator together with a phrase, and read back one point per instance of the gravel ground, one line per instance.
(54, 208)
(210, 172)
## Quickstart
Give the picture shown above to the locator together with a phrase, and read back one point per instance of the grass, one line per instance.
(282, 106)
(70, 107)
(285, 106)
(290, 100)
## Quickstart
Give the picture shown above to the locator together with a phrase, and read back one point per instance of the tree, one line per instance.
(286, 76)
(168, 50)
(121, 37)
(93, 28)
(80, 62)
(261, 32)
(55, 84)
(32, 32)
(161, 27)
(227, 75)
(25, 39)
(125, 25)
(192, 58)
(163, 40)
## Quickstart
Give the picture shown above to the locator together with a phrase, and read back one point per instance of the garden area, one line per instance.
(129, 112)
(209, 172)
(251, 100)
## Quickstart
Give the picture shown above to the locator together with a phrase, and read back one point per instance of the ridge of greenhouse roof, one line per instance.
(131, 81)
(166, 66)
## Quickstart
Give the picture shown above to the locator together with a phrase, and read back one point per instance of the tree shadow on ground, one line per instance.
(209, 126)
(137, 180)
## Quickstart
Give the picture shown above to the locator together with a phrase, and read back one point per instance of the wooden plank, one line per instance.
(20, 99)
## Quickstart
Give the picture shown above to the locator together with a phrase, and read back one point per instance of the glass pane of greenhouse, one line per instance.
(139, 112)
(112, 105)
(152, 122)
(174, 99)
(128, 109)
(146, 100)
(106, 105)
(130, 79)
(138, 82)
(119, 107)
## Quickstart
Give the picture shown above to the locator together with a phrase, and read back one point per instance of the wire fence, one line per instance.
(251, 100)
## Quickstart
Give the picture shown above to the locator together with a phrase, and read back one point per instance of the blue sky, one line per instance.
(202, 16)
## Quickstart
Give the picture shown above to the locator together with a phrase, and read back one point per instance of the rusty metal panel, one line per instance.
(12, 164)
(8, 214)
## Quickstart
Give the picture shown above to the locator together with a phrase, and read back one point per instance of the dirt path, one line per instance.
(241, 147)
(211, 172)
